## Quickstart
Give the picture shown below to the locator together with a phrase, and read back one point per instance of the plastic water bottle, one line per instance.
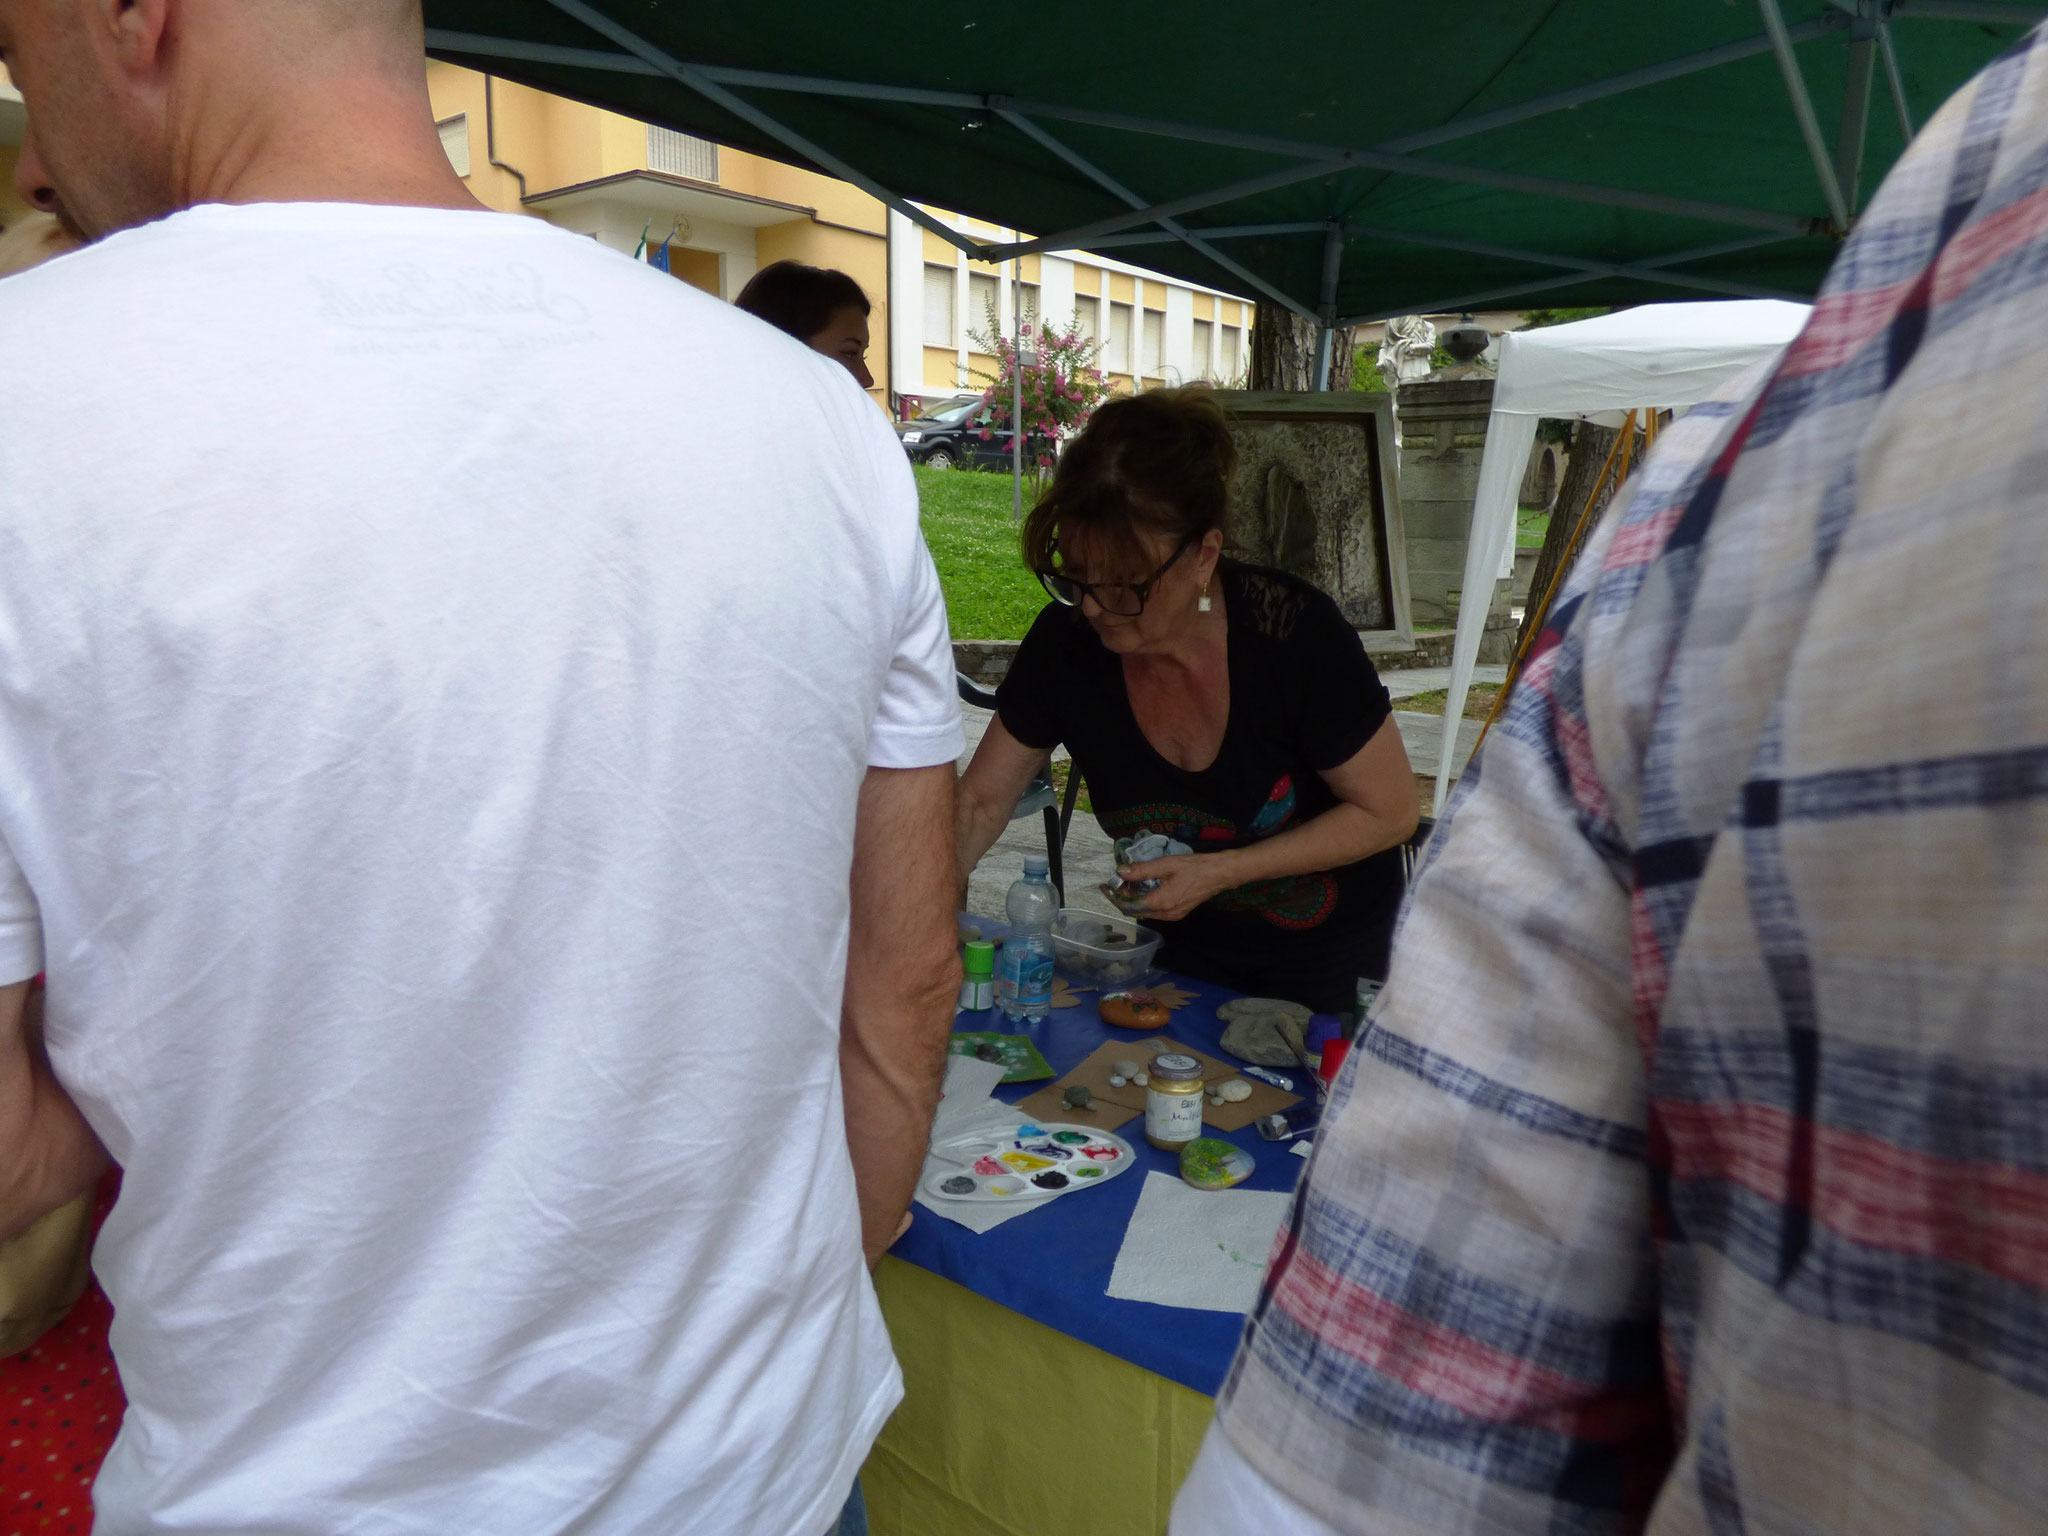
(1024, 972)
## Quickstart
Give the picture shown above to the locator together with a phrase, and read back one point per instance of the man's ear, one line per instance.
(138, 33)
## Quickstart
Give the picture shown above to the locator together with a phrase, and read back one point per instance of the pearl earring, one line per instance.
(1203, 605)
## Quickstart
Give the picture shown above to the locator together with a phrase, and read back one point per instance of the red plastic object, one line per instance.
(1334, 1052)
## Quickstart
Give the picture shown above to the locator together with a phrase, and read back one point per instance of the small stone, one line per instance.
(1124, 1068)
(1077, 1097)
(988, 1050)
(1141, 1078)
(1117, 1080)
(1236, 1091)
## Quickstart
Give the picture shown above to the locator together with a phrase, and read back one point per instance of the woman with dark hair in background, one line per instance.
(822, 308)
(1226, 706)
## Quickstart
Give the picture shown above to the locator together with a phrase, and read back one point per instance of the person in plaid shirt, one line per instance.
(1692, 1176)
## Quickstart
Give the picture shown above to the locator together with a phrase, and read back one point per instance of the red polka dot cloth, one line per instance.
(60, 1407)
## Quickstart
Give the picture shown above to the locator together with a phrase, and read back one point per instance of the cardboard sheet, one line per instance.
(1113, 1107)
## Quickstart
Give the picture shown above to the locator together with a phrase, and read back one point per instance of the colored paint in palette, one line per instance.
(1035, 1160)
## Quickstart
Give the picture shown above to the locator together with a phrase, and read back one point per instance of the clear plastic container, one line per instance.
(1105, 951)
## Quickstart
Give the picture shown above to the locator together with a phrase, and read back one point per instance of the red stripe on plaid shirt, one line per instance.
(1463, 1374)
(1988, 1217)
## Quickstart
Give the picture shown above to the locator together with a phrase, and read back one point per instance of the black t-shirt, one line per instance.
(1303, 698)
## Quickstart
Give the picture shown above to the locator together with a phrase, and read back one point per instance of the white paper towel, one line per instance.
(965, 1112)
(1201, 1248)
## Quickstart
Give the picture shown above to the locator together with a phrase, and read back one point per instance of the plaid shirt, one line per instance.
(1693, 1175)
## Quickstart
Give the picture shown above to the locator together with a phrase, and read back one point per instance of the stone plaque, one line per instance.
(1314, 494)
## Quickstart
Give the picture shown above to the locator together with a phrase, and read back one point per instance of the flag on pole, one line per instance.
(658, 258)
(641, 249)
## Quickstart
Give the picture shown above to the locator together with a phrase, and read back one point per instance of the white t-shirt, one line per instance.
(438, 661)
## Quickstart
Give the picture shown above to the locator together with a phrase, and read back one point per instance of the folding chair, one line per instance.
(1040, 795)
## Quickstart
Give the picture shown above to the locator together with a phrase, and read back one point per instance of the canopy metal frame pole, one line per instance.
(1856, 105)
(1326, 333)
(1362, 159)
(1081, 234)
(1173, 228)
(1652, 268)
(1017, 390)
(1802, 110)
(707, 79)
(1585, 265)
(1599, 90)
(747, 112)
(1190, 235)
(1896, 82)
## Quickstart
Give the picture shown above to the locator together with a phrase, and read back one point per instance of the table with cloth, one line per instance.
(1035, 1404)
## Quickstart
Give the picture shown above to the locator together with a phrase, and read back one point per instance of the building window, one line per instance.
(984, 302)
(938, 306)
(1205, 331)
(677, 154)
(1088, 316)
(1230, 366)
(455, 141)
(1117, 355)
(1153, 341)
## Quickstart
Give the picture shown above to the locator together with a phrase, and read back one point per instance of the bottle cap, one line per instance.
(979, 958)
(1173, 1067)
(1035, 864)
(1334, 1052)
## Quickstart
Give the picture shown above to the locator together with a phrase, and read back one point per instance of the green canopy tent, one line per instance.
(1347, 161)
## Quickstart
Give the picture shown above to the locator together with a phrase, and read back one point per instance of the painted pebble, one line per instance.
(959, 1185)
(1077, 1097)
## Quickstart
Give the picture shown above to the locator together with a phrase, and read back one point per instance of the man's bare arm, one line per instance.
(902, 982)
(48, 1154)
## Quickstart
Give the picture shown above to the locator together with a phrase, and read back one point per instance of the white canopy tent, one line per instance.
(1660, 356)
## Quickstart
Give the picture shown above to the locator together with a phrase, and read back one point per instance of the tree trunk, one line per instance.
(1284, 352)
(1589, 450)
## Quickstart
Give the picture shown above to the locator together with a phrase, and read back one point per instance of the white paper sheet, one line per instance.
(966, 1112)
(968, 1083)
(1200, 1248)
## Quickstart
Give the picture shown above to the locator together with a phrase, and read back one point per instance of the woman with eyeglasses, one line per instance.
(1228, 706)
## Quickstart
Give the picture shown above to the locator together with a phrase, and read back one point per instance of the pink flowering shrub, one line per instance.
(1062, 385)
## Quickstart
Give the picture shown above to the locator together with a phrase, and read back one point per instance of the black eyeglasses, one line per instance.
(1125, 599)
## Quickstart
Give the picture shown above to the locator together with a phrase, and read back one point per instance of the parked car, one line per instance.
(945, 436)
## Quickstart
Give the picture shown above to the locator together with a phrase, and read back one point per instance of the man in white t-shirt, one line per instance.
(476, 742)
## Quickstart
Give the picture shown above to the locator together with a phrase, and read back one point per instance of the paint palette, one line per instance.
(1031, 1161)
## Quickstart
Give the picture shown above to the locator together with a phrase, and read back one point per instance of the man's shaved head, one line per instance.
(140, 107)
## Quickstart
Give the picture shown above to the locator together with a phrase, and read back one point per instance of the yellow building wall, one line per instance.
(941, 370)
(861, 256)
(937, 250)
(1121, 288)
(700, 269)
(1087, 282)
(1205, 306)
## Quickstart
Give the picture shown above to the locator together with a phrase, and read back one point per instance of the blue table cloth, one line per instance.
(1052, 1264)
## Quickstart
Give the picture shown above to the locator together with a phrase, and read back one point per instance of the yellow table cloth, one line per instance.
(1010, 1428)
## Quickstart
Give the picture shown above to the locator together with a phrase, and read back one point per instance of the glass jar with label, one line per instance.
(1173, 1101)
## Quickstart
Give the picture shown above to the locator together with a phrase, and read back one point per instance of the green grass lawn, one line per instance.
(989, 594)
